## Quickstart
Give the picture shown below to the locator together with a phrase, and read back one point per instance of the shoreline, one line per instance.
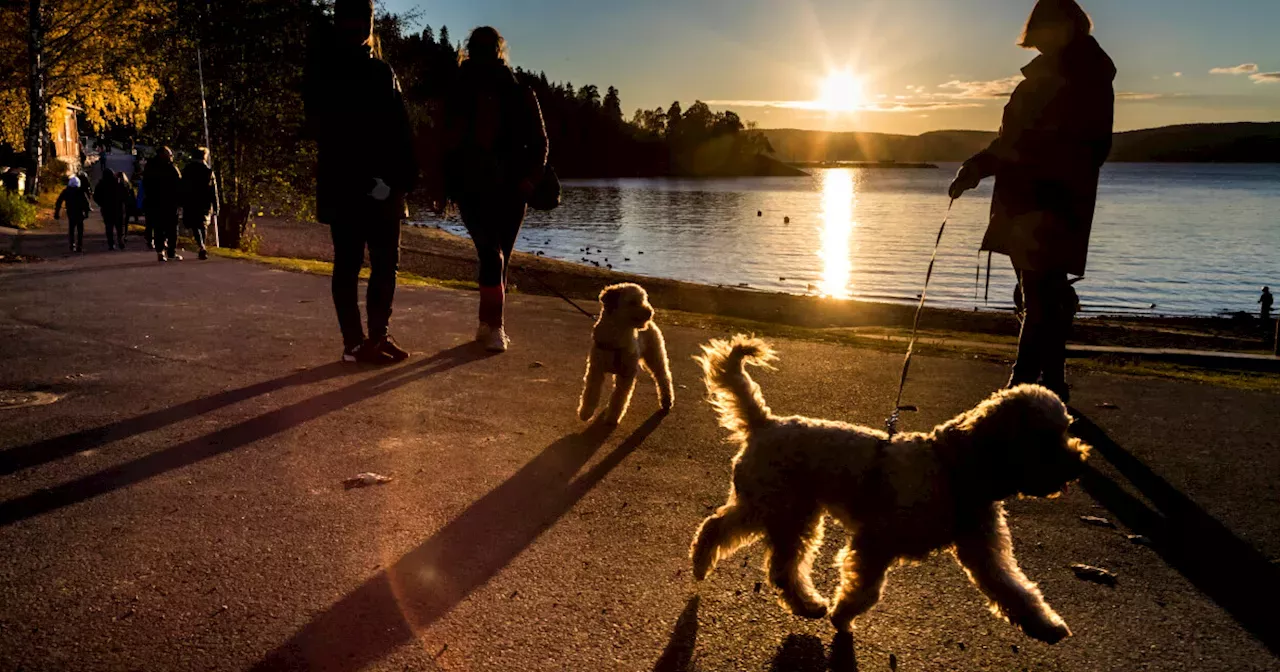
(434, 253)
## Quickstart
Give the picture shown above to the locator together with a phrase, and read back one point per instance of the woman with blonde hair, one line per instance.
(497, 152)
(1054, 138)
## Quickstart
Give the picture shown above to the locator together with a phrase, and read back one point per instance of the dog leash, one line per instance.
(547, 286)
(891, 425)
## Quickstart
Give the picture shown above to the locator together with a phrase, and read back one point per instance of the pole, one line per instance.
(204, 111)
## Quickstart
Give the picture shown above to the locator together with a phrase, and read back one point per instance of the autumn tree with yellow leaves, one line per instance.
(103, 56)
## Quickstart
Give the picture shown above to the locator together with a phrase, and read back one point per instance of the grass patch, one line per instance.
(316, 267)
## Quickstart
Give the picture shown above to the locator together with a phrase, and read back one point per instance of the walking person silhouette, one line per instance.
(1055, 136)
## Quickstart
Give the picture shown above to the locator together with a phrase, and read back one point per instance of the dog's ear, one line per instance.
(610, 298)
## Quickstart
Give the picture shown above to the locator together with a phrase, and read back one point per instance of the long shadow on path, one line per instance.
(806, 653)
(678, 656)
(387, 610)
(1224, 567)
(50, 450)
(231, 438)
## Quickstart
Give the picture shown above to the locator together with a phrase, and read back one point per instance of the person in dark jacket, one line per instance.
(1054, 138)
(76, 197)
(110, 197)
(199, 197)
(357, 115)
(164, 197)
(1266, 301)
(495, 155)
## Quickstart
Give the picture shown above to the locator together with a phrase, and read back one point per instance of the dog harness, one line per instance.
(615, 365)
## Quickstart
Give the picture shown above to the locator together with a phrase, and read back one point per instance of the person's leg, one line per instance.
(197, 231)
(384, 261)
(480, 223)
(171, 235)
(71, 233)
(348, 256)
(79, 235)
(513, 220)
(1035, 318)
(149, 230)
(1061, 299)
(109, 223)
(122, 227)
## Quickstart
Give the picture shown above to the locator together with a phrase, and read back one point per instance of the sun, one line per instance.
(841, 92)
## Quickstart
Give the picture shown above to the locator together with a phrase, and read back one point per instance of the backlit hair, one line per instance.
(485, 45)
(1049, 14)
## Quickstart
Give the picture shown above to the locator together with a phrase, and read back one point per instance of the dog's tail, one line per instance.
(735, 396)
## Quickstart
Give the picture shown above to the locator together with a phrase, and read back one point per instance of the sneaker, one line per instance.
(175, 257)
(203, 255)
(482, 332)
(497, 340)
(160, 258)
(387, 347)
(352, 353)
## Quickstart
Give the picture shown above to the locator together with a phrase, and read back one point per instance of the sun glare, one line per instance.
(841, 92)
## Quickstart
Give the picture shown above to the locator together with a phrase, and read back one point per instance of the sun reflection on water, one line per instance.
(838, 198)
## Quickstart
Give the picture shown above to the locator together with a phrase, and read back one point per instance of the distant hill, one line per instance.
(1208, 143)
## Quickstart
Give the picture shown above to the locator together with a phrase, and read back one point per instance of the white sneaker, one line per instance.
(497, 340)
(482, 332)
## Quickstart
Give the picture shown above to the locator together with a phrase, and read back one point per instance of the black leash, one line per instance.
(553, 290)
(891, 425)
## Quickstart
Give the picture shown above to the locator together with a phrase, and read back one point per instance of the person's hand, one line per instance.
(968, 178)
(381, 191)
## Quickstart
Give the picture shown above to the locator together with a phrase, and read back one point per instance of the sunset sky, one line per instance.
(897, 66)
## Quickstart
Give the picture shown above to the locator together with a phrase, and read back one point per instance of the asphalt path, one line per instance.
(179, 503)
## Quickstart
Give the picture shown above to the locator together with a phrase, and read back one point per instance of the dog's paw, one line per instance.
(1047, 632)
(666, 405)
(812, 611)
(585, 414)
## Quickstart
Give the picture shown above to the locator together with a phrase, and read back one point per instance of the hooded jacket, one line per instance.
(497, 137)
(1055, 136)
(199, 195)
(357, 115)
(164, 187)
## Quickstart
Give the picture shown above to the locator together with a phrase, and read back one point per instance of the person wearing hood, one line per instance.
(76, 197)
(199, 197)
(366, 168)
(164, 197)
(496, 153)
(110, 197)
(1054, 138)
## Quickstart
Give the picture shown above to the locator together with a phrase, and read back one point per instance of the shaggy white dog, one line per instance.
(900, 498)
(625, 340)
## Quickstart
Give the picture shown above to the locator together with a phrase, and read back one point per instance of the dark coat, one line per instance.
(1055, 136)
(164, 188)
(77, 202)
(356, 114)
(110, 195)
(497, 138)
(199, 193)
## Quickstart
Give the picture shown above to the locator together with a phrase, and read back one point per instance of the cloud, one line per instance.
(1266, 77)
(1242, 69)
(996, 88)
(1177, 74)
(1137, 95)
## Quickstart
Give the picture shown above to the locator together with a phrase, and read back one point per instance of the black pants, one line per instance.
(1048, 305)
(196, 225)
(381, 234)
(75, 232)
(494, 226)
(113, 220)
(164, 229)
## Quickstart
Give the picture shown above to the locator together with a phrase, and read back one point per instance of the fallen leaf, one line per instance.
(365, 480)
(1094, 574)
(1097, 521)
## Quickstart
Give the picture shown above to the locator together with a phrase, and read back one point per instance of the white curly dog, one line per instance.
(625, 340)
(900, 498)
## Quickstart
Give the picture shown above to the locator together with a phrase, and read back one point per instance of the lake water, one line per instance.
(1168, 238)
